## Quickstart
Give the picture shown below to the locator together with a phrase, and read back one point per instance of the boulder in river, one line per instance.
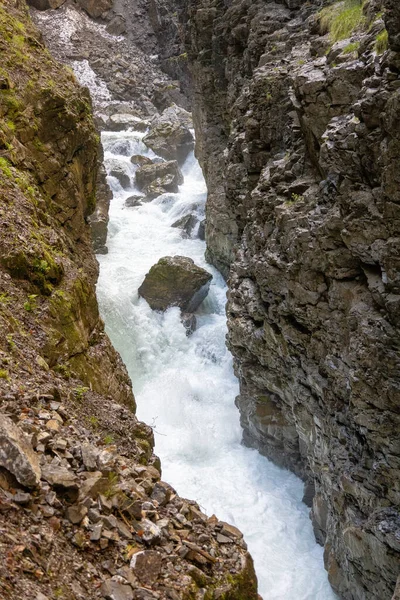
(186, 224)
(95, 8)
(167, 174)
(202, 230)
(175, 281)
(119, 171)
(140, 160)
(169, 137)
(123, 121)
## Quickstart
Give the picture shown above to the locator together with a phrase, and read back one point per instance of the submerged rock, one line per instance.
(175, 281)
(186, 223)
(169, 137)
(119, 171)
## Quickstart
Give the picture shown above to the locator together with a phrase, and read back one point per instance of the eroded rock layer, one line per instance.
(83, 512)
(298, 136)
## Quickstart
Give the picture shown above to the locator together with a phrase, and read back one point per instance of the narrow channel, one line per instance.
(185, 386)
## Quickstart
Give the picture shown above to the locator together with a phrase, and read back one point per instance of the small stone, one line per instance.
(110, 535)
(60, 444)
(94, 515)
(89, 456)
(151, 533)
(230, 530)
(59, 476)
(79, 539)
(53, 425)
(223, 539)
(103, 543)
(96, 533)
(146, 566)
(75, 513)
(22, 498)
(113, 590)
(47, 511)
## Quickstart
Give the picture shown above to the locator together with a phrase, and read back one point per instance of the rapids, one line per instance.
(185, 387)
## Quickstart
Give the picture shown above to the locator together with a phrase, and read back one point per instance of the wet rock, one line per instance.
(168, 137)
(134, 201)
(187, 224)
(17, 455)
(119, 171)
(122, 122)
(140, 160)
(46, 4)
(146, 566)
(175, 281)
(189, 322)
(95, 8)
(165, 175)
(202, 230)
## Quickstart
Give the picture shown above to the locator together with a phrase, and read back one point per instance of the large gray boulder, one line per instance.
(169, 137)
(17, 454)
(167, 175)
(175, 281)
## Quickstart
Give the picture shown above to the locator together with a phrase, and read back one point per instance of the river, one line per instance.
(185, 387)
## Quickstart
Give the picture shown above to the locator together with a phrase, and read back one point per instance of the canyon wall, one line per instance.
(299, 141)
(83, 510)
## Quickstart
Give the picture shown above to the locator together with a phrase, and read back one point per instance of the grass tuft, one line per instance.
(382, 42)
(342, 19)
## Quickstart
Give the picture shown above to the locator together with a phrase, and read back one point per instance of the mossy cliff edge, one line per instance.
(98, 499)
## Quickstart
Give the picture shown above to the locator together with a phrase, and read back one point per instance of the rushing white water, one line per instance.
(185, 388)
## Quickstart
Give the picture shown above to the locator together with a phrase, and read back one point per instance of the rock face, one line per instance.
(299, 141)
(169, 137)
(175, 281)
(67, 423)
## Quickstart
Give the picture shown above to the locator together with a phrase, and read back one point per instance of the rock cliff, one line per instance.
(83, 512)
(297, 117)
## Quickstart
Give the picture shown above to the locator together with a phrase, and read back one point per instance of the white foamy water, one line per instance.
(185, 388)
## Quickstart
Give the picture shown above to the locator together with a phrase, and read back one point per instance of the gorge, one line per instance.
(296, 135)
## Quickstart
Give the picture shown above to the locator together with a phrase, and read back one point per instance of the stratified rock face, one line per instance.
(175, 281)
(299, 142)
(169, 137)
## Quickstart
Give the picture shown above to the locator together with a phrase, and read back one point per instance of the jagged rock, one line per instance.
(59, 476)
(117, 26)
(89, 456)
(168, 137)
(146, 566)
(17, 455)
(175, 281)
(76, 513)
(119, 171)
(140, 160)
(46, 4)
(165, 175)
(202, 230)
(122, 122)
(189, 322)
(95, 8)
(186, 223)
(135, 200)
(113, 590)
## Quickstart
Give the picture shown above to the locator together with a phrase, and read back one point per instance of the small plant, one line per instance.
(382, 42)
(297, 197)
(268, 96)
(10, 341)
(4, 374)
(4, 298)
(5, 167)
(79, 392)
(108, 439)
(30, 304)
(112, 489)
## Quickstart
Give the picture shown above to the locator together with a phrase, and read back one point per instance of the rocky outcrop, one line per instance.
(80, 489)
(175, 281)
(298, 139)
(169, 136)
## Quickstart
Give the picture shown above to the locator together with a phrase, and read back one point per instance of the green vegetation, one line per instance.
(5, 167)
(79, 392)
(4, 374)
(342, 19)
(30, 304)
(382, 42)
(108, 439)
(352, 47)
